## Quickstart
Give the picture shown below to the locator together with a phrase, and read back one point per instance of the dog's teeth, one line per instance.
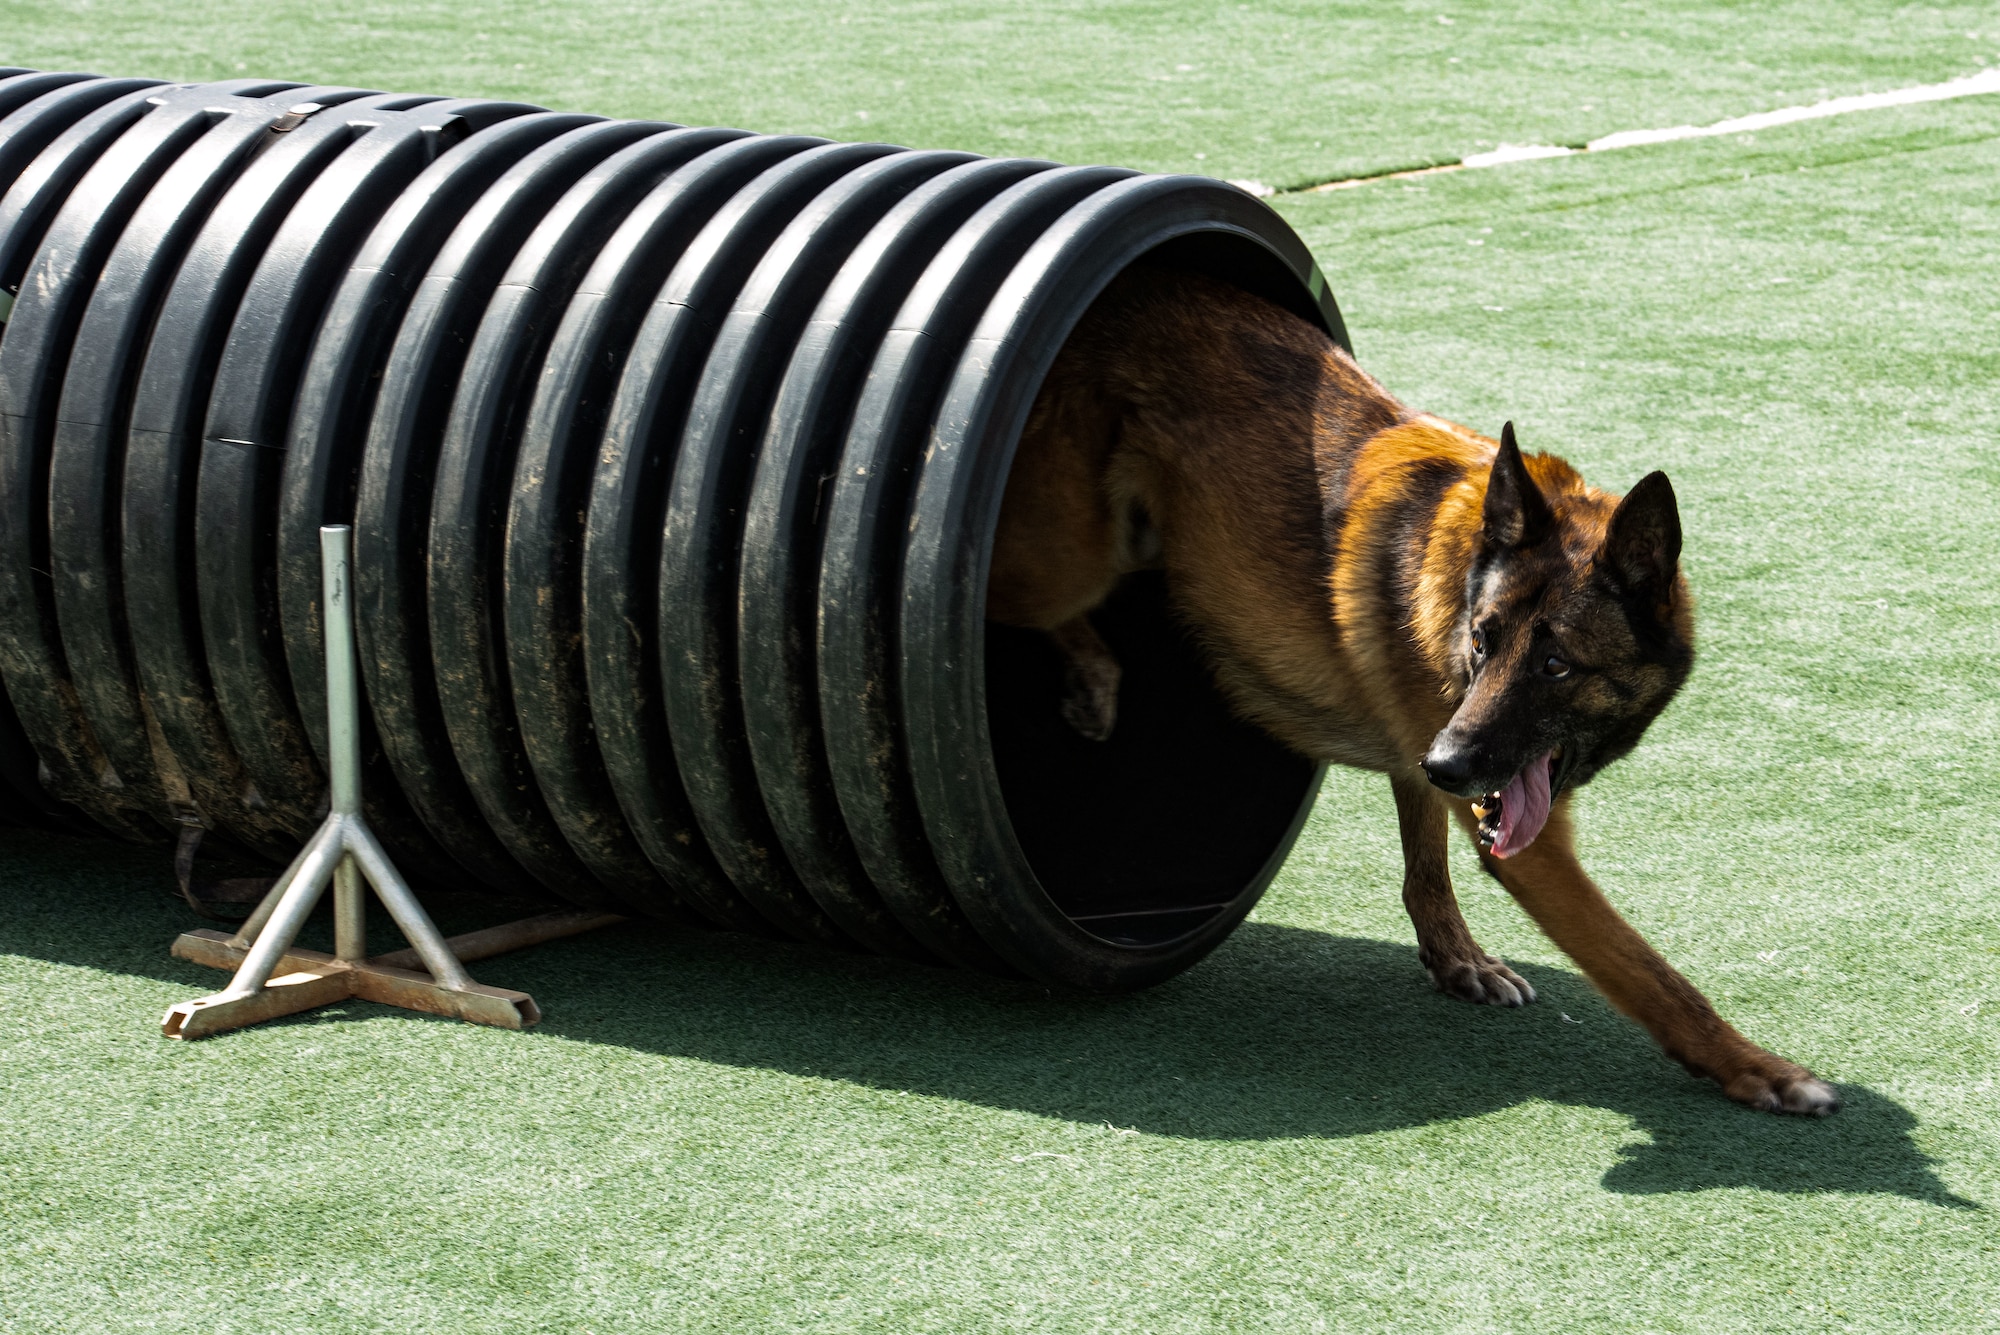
(1487, 809)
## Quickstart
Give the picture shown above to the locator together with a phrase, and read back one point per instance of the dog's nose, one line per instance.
(1447, 766)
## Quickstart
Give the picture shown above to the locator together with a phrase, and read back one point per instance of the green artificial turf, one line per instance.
(1286, 93)
(716, 1134)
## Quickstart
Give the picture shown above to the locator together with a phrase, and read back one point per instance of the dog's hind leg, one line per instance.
(1090, 680)
(1445, 946)
(1061, 542)
(1546, 880)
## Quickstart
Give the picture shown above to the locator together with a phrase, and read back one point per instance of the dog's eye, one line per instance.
(1555, 667)
(1478, 643)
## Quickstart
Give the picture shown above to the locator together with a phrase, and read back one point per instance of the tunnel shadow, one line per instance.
(1283, 1033)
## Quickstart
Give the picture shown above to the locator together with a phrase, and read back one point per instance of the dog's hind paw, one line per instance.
(1486, 981)
(1092, 710)
(1090, 679)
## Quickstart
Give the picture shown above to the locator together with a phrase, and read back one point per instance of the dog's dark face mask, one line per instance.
(1575, 634)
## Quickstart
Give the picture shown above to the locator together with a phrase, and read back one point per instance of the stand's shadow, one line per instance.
(1283, 1033)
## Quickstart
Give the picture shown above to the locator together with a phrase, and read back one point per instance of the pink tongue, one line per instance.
(1524, 808)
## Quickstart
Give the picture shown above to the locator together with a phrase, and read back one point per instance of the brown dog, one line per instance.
(1378, 588)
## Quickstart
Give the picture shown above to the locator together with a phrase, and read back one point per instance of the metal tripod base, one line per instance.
(305, 979)
(272, 977)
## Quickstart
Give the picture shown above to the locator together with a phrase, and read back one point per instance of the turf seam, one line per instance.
(1981, 83)
(1734, 176)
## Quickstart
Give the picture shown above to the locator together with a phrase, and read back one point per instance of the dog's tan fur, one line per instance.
(1319, 538)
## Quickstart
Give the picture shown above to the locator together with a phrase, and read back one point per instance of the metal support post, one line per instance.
(345, 853)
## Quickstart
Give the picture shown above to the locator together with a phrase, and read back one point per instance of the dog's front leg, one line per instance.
(1546, 880)
(1444, 943)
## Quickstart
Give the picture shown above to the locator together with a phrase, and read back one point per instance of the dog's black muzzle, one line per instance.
(1466, 771)
(1460, 770)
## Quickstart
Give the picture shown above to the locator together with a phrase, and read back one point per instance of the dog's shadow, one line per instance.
(1283, 1033)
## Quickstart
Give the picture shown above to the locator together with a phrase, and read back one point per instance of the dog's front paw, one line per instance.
(1483, 979)
(1778, 1086)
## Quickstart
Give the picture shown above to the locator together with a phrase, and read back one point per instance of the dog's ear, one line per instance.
(1516, 514)
(1642, 545)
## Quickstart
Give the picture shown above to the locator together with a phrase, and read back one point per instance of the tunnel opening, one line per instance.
(1186, 810)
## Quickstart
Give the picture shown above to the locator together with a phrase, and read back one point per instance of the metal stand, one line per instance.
(344, 852)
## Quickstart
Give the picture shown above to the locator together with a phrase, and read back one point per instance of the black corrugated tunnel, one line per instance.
(674, 458)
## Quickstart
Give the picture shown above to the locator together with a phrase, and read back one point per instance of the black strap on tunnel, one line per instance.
(244, 448)
(183, 549)
(88, 458)
(246, 425)
(171, 374)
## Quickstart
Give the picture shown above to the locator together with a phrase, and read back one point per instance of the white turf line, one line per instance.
(1970, 85)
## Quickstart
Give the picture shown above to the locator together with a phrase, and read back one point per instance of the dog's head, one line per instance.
(1577, 629)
